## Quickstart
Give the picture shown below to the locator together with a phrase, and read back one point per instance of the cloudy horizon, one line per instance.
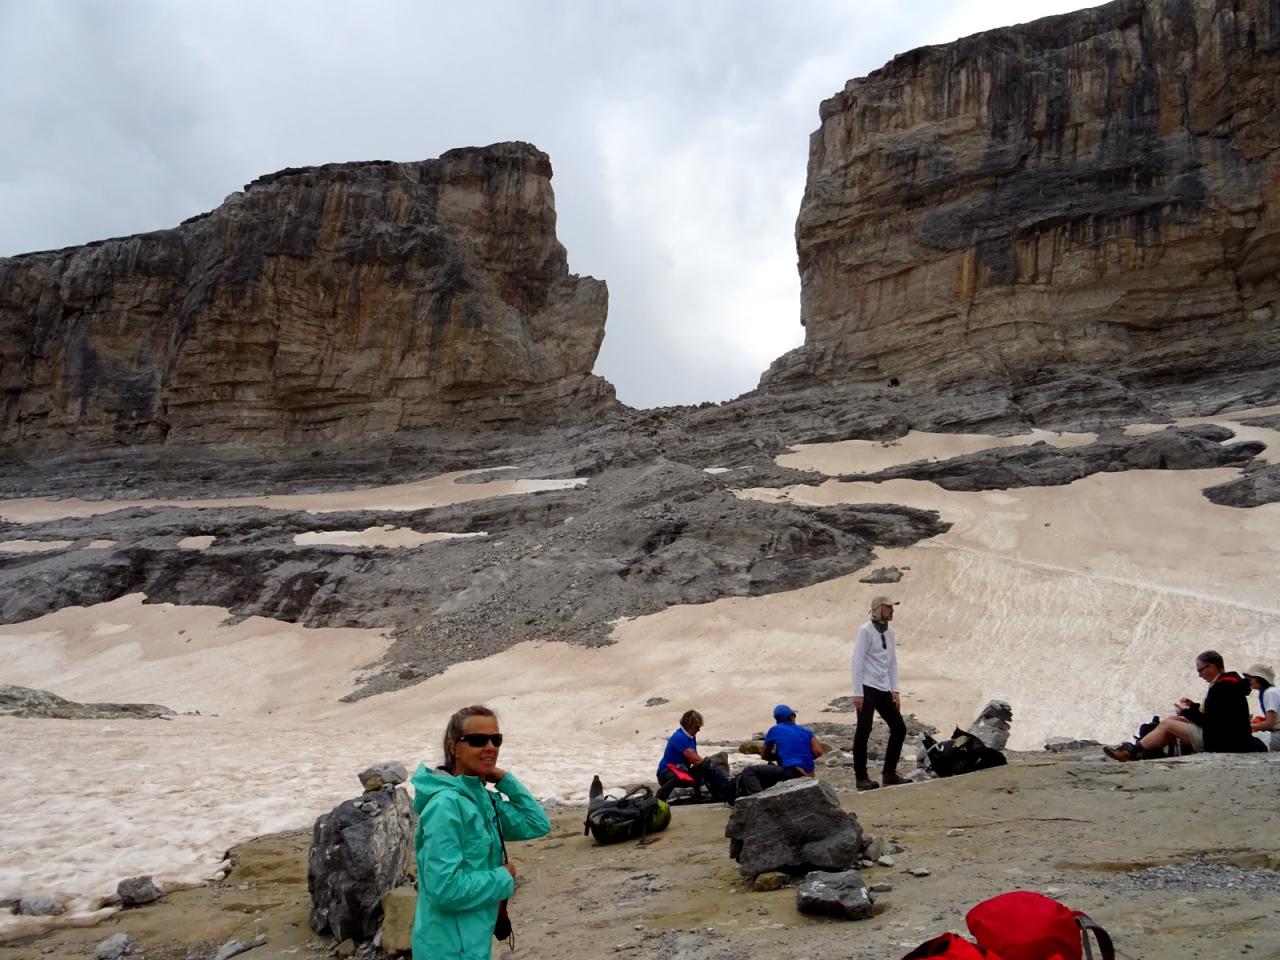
(678, 134)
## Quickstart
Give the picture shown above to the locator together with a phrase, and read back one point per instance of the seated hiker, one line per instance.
(790, 750)
(1221, 725)
(681, 764)
(1266, 726)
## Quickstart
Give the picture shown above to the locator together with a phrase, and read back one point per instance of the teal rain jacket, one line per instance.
(460, 874)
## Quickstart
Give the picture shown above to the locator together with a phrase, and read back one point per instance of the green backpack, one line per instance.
(637, 814)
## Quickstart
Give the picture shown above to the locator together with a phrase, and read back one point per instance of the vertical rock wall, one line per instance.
(1099, 189)
(321, 304)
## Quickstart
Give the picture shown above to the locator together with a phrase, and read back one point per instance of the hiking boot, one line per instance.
(866, 783)
(664, 791)
(891, 779)
(1123, 752)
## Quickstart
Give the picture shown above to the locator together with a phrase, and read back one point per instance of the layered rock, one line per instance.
(320, 304)
(1099, 190)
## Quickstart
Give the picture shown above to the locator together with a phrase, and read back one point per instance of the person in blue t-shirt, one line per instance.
(791, 750)
(681, 764)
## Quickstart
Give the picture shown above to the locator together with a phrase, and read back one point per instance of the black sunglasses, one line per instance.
(479, 740)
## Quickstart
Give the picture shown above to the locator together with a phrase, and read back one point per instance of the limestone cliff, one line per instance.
(1098, 190)
(323, 303)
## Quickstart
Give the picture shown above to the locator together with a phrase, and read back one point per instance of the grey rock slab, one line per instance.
(843, 895)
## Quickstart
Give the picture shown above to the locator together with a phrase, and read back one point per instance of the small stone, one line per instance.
(955, 832)
(385, 774)
(919, 872)
(114, 947)
(886, 861)
(841, 895)
(40, 907)
(638, 926)
(875, 849)
(881, 888)
(771, 880)
(135, 891)
(346, 948)
(864, 863)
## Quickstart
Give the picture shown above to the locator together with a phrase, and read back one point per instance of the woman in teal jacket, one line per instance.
(461, 874)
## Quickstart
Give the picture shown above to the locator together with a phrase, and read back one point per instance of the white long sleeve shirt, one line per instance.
(875, 664)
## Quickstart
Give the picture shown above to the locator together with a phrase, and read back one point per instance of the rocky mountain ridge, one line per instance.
(320, 304)
(1098, 191)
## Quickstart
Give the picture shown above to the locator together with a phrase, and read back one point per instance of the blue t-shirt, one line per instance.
(677, 744)
(794, 744)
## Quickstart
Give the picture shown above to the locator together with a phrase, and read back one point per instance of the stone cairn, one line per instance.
(799, 828)
(360, 851)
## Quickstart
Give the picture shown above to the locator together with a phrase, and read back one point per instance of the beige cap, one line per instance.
(1263, 671)
(878, 602)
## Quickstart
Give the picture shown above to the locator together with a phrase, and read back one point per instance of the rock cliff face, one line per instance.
(1095, 190)
(320, 304)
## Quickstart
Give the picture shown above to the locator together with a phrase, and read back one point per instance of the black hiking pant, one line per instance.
(878, 701)
(704, 775)
(762, 776)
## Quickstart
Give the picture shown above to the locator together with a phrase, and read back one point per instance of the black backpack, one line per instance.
(963, 753)
(637, 814)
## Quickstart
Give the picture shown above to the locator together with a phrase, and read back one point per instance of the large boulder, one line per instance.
(359, 851)
(795, 826)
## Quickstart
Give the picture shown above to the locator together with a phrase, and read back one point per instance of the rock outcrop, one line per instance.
(1093, 191)
(41, 704)
(319, 304)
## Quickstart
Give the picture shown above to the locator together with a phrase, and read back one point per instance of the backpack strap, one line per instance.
(1105, 945)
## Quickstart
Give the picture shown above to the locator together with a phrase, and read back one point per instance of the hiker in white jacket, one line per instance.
(875, 690)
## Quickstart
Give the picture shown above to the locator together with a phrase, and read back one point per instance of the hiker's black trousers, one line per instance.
(704, 775)
(762, 776)
(878, 701)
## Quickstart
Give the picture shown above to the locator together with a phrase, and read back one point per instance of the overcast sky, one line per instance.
(678, 132)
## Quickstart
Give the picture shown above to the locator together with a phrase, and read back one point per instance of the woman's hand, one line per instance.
(511, 869)
(495, 775)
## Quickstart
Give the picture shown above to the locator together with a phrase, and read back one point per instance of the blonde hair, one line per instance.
(457, 726)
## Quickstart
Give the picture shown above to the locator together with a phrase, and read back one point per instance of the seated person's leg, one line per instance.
(719, 786)
(1166, 732)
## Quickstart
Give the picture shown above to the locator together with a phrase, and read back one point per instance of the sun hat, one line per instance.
(878, 602)
(782, 712)
(1259, 670)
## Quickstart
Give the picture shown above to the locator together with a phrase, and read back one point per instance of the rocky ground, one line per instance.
(1177, 858)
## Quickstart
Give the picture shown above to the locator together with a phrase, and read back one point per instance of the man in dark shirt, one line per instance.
(1220, 725)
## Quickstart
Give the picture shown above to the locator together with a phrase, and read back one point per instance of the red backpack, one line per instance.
(949, 947)
(1030, 926)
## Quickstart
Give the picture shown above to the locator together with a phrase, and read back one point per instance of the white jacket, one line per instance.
(875, 664)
